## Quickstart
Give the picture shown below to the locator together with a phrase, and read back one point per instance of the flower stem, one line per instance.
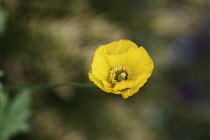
(40, 86)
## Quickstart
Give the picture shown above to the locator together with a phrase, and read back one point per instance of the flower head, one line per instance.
(121, 67)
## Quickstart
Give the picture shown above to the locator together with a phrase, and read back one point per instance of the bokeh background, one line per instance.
(53, 41)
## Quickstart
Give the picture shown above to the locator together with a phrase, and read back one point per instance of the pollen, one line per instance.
(119, 73)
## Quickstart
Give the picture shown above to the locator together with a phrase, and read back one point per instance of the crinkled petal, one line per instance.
(102, 84)
(96, 81)
(141, 63)
(100, 65)
(130, 92)
(136, 59)
(117, 51)
(119, 47)
(131, 83)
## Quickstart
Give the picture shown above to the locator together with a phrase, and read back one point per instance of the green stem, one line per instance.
(39, 86)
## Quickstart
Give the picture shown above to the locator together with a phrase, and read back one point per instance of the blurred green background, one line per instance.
(53, 41)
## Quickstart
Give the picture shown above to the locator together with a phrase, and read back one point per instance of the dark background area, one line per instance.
(53, 41)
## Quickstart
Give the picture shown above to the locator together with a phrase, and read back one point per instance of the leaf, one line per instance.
(19, 105)
(13, 114)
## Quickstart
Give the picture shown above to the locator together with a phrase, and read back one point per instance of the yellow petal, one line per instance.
(130, 55)
(127, 94)
(119, 47)
(105, 86)
(96, 81)
(144, 64)
(100, 65)
(116, 52)
(130, 92)
(137, 59)
(132, 83)
(110, 55)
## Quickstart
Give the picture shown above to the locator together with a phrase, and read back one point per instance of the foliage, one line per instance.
(13, 113)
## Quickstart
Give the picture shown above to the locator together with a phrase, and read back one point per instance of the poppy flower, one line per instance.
(121, 67)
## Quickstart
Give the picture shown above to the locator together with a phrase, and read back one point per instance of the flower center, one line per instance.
(119, 73)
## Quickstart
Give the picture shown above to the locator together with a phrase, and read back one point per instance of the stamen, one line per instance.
(119, 73)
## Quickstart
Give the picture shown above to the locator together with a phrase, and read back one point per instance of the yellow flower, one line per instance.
(121, 67)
